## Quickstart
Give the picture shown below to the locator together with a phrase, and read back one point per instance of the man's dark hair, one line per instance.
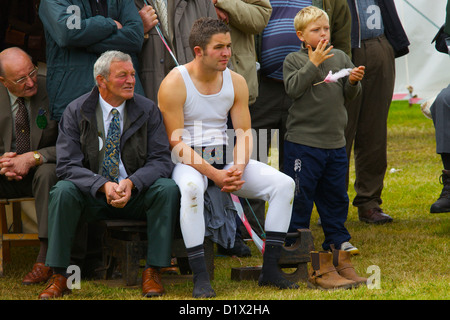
(202, 31)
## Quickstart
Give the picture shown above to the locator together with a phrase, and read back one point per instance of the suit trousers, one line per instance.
(367, 120)
(440, 112)
(36, 184)
(68, 207)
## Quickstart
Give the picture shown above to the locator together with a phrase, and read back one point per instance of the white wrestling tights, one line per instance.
(261, 182)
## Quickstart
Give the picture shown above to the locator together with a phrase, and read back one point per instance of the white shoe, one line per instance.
(347, 246)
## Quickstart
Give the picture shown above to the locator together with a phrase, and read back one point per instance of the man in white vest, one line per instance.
(200, 95)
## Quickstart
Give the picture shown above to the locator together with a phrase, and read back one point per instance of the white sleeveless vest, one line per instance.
(205, 116)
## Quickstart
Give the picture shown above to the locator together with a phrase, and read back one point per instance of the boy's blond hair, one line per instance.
(307, 15)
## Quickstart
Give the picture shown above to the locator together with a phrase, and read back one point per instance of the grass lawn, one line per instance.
(412, 253)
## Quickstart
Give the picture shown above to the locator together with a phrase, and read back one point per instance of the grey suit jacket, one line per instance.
(42, 140)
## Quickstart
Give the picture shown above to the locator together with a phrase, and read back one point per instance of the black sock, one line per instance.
(275, 238)
(153, 267)
(202, 285)
(61, 271)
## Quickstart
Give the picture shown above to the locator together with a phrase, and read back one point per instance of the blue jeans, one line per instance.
(320, 178)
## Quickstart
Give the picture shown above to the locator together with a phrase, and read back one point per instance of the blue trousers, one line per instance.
(320, 179)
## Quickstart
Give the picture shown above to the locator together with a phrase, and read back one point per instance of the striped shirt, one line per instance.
(279, 37)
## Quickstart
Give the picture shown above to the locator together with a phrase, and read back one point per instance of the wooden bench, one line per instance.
(16, 235)
(125, 245)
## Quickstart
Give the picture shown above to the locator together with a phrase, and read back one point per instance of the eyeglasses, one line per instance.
(22, 80)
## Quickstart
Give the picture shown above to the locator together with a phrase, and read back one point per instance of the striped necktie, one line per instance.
(110, 167)
(22, 128)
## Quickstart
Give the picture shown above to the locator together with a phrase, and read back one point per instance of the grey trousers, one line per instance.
(367, 120)
(36, 184)
(440, 112)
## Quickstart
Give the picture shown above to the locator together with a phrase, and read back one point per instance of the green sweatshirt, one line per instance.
(317, 116)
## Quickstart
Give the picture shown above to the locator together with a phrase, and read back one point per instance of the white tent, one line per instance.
(424, 68)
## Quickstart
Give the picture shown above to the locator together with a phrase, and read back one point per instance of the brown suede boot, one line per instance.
(324, 275)
(343, 265)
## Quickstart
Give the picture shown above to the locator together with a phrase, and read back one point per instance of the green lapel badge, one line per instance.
(41, 119)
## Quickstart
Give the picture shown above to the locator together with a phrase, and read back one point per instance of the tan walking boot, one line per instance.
(343, 265)
(324, 275)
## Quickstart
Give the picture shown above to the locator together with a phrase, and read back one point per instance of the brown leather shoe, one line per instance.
(151, 283)
(40, 273)
(170, 270)
(374, 215)
(173, 269)
(56, 288)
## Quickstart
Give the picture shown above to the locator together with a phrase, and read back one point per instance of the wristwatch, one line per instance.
(37, 158)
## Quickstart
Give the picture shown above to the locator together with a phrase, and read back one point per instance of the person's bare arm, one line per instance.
(240, 116)
(171, 98)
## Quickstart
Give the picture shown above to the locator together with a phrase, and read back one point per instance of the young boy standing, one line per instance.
(314, 154)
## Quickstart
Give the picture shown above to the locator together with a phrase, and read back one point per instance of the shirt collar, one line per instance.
(13, 98)
(13, 101)
(106, 108)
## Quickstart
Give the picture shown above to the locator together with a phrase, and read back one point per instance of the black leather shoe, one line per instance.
(240, 249)
(441, 205)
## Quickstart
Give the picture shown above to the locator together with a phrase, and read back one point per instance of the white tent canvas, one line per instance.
(423, 68)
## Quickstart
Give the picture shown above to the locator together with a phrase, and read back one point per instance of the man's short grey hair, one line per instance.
(103, 64)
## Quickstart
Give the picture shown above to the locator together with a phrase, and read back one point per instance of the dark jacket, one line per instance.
(72, 50)
(144, 146)
(155, 61)
(393, 28)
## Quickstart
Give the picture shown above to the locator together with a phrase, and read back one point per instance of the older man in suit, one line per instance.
(27, 143)
(114, 162)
